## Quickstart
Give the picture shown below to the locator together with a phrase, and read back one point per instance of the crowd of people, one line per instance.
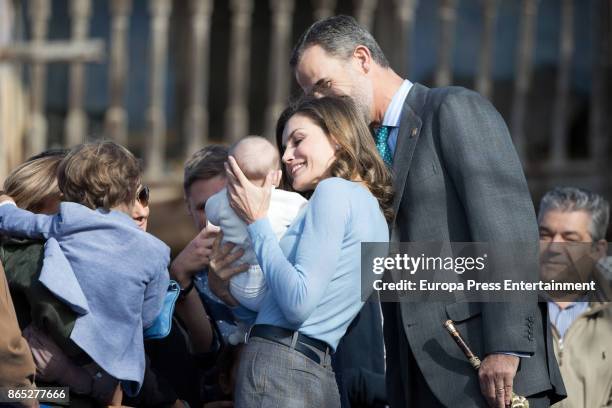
(271, 310)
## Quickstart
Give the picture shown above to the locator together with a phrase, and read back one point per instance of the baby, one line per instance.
(256, 157)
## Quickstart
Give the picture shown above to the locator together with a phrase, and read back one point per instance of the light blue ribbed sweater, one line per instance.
(314, 273)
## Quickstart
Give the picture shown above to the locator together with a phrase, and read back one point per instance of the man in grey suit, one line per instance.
(457, 178)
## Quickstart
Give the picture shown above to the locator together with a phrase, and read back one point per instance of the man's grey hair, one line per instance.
(569, 199)
(338, 36)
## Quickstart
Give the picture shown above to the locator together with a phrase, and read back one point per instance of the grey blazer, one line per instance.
(458, 178)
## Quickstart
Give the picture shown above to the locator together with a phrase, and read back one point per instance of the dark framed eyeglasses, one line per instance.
(143, 196)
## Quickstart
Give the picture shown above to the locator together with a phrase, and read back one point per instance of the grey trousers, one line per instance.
(272, 375)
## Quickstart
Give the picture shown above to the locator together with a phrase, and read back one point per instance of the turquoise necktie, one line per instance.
(382, 134)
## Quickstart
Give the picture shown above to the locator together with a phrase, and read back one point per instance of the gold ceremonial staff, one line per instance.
(517, 400)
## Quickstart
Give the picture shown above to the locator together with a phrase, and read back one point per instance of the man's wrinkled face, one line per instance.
(199, 192)
(567, 250)
(317, 72)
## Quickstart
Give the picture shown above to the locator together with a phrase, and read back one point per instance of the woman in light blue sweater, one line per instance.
(314, 272)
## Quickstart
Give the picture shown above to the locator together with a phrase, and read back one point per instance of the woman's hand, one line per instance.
(249, 201)
(220, 269)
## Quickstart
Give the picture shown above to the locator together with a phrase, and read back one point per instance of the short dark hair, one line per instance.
(99, 175)
(338, 36)
(205, 164)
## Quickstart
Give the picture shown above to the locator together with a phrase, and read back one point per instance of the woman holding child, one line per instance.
(313, 273)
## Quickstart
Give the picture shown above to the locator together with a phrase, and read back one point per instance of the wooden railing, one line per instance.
(80, 49)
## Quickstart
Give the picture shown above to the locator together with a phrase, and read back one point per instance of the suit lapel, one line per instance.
(409, 130)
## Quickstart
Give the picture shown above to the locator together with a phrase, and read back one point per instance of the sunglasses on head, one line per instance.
(143, 196)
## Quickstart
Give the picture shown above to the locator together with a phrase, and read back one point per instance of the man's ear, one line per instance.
(364, 58)
(187, 205)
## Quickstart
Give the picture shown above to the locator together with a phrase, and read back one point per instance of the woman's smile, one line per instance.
(308, 152)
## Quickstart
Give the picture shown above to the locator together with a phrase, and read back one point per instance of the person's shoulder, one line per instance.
(69, 207)
(336, 191)
(75, 212)
(154, 247)
(335, 185)
(426, 100)
(149, 239)
(122, 225)
(451, 94)
(341, 188)
(458, 96)
(70, 213)
(446, 91)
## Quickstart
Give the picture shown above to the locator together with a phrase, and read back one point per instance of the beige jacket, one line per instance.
(16, 364)
(585, 358)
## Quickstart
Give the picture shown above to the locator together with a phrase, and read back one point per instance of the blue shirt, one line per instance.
(113, 275)
(314, 273)
(393, 114)
(216, 309)
(562, 319)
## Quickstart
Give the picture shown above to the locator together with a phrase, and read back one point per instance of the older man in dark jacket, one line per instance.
(457, 178)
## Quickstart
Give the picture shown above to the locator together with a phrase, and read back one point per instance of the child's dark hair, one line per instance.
(99, 175)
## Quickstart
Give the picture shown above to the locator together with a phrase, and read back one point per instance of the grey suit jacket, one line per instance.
(458, 178)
